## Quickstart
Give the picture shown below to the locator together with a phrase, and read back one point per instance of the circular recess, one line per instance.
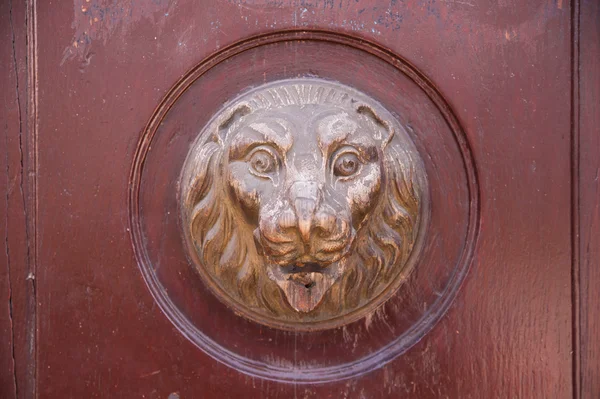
(334, 345)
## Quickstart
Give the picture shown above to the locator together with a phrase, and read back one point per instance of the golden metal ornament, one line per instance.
(301, 201)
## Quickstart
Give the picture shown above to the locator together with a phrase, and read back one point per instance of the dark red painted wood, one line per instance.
(95, 72)
(589, 198)
(9, 114)
(17, 299)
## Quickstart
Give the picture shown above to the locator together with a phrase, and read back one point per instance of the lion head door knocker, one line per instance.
(301, 202)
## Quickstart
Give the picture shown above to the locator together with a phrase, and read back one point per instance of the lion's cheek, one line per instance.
(243, 191)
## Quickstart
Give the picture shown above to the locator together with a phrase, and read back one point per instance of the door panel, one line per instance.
(501, 71)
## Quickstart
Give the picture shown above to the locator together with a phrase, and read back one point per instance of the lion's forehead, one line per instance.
(306, 125)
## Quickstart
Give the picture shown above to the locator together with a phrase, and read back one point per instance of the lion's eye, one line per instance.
(263, 162)
(346, 165)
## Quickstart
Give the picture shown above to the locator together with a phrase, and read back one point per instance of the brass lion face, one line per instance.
(301, 201)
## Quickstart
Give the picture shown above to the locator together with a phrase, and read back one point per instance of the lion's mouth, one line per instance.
(298, 268)
(304, 274)
(305, 284)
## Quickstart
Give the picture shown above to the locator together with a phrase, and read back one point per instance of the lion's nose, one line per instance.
(305, 210)
(305, 196)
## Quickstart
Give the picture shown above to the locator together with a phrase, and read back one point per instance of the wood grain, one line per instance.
(10, 171)
(18, 302)
(589, 199)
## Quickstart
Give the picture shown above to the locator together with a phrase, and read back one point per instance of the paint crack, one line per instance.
(8, 260)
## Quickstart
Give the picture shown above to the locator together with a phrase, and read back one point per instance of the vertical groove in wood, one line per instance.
(588, 229)
(31, 205)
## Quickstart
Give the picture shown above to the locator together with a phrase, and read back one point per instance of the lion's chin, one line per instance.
(304, 291)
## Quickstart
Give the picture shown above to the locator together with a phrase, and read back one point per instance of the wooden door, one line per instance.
(466, 268)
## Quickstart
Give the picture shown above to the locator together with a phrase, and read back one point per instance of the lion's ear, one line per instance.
(383, 128)
(229, 120)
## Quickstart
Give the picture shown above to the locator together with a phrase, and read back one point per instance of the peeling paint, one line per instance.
(99, 20)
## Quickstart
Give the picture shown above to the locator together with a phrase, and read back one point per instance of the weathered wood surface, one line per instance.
(91, 75)
(588, 200)
(17, 293)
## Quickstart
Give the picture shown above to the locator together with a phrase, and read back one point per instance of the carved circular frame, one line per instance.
(295, 374)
